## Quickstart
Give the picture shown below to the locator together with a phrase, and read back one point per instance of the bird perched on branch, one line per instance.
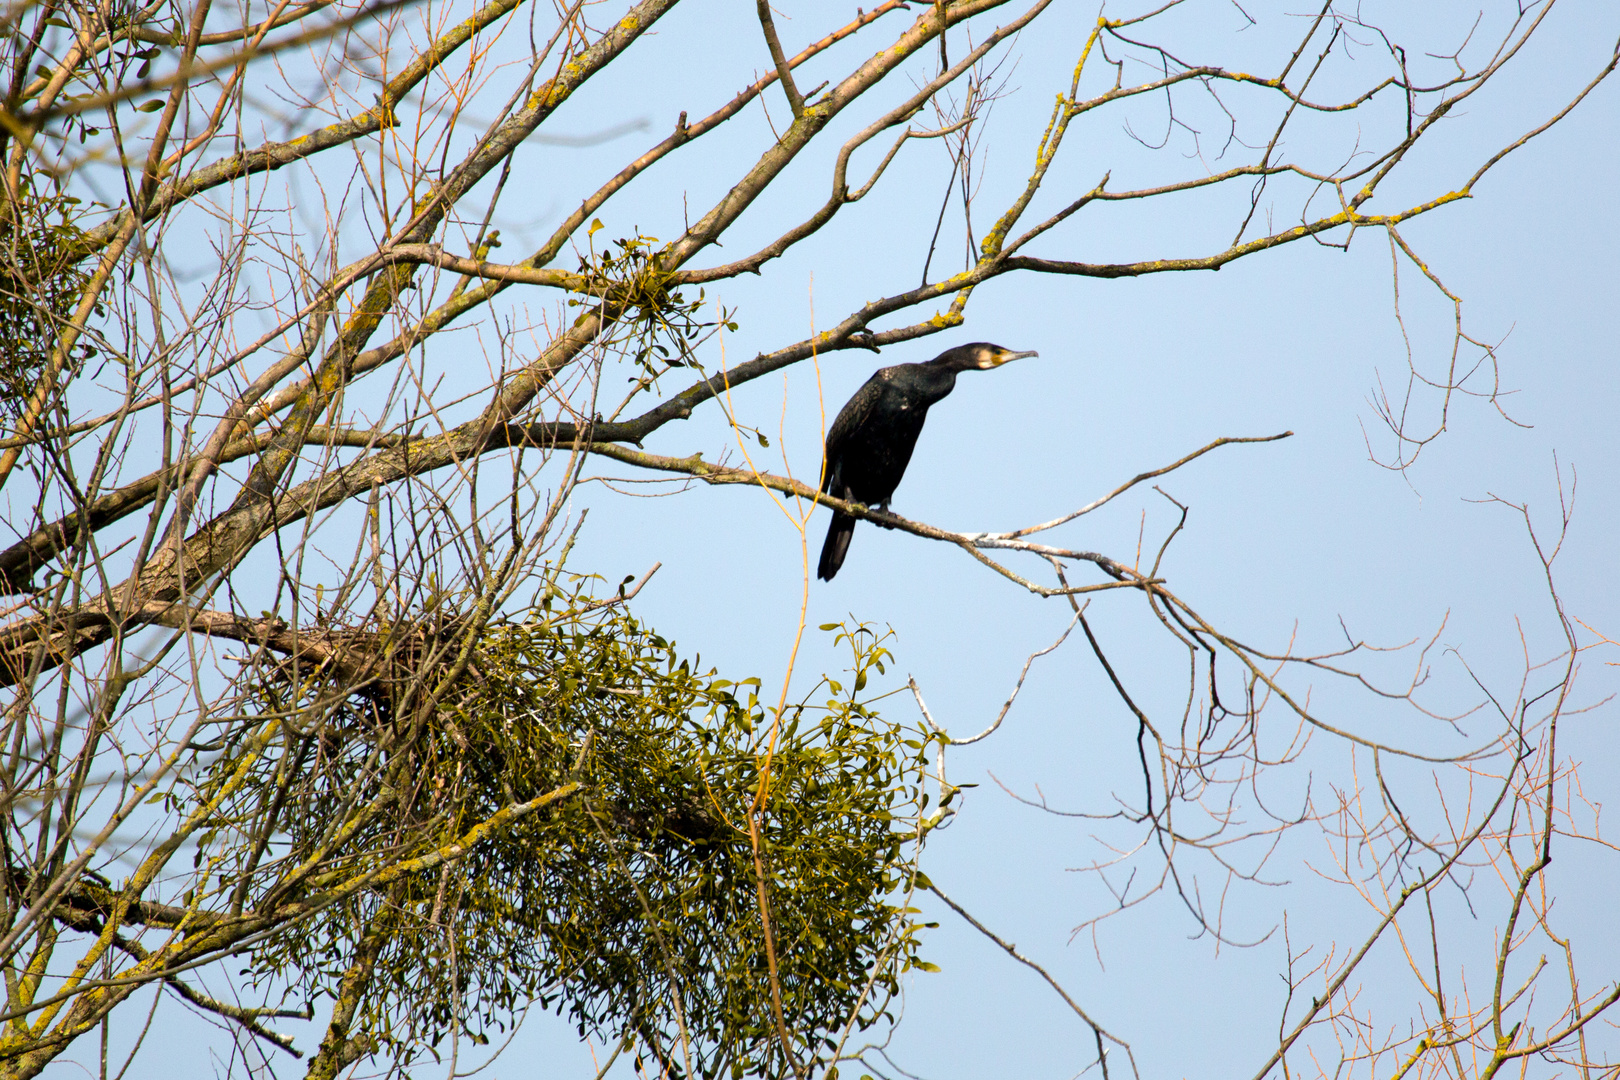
(870, 443)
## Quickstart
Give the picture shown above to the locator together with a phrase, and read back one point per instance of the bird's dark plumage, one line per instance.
(870, 443)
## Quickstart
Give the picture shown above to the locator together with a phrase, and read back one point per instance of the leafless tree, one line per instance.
(295, 677)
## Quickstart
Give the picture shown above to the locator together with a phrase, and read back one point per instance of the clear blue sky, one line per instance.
(1283, 539)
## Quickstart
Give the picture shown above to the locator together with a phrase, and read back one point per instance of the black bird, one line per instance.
(870, 443)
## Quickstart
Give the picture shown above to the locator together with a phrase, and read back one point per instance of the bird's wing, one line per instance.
(850, 418)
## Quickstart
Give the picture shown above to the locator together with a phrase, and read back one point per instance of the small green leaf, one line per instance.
(151, 106)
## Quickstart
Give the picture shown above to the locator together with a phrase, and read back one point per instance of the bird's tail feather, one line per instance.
(832, 552)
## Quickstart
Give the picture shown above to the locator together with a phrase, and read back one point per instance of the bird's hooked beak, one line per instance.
(1002, 356)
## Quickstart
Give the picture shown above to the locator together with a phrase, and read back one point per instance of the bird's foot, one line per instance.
(865, 339)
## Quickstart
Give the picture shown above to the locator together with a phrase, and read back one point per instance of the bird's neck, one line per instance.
(939, 381)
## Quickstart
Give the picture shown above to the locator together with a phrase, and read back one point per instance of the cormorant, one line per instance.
(871, 441)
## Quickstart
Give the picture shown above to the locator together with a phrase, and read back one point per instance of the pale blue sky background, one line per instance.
(1133, 374)
(1282, 538)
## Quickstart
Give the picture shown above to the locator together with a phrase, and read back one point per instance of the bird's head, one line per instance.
(986, 356)
(981, 356)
